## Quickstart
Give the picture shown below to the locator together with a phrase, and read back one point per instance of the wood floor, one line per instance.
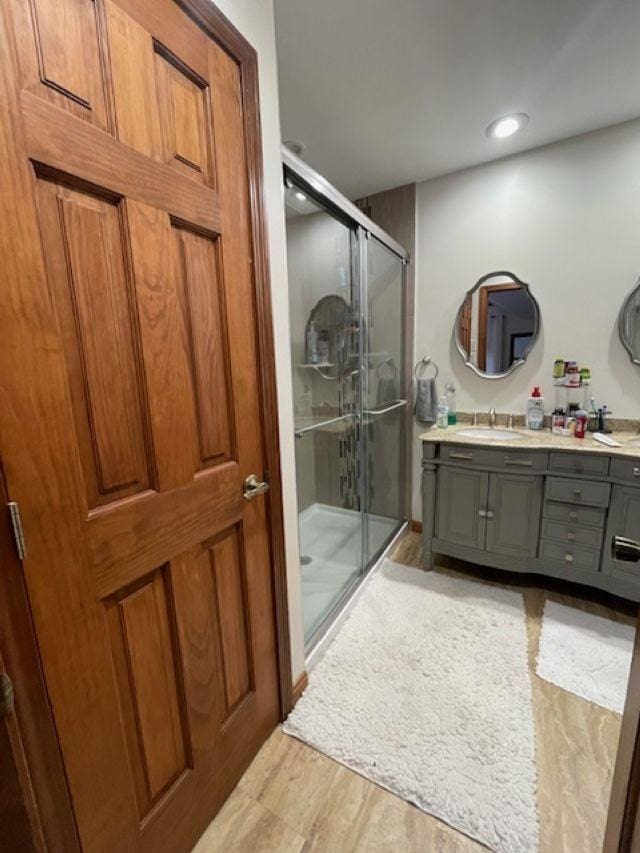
(293, 798)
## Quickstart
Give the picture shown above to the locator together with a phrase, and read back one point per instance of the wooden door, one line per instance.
(462, 501)
(131, 408)
(513, 516)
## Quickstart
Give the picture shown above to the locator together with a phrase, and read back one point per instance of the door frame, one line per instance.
(43, 765)
(622, 831)
(483, 309)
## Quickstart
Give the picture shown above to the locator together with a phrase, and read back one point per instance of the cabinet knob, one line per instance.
(571, 536)
(568, 557)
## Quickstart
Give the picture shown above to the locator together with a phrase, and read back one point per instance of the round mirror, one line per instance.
(629, 324)
(497, 325)
(329, 336)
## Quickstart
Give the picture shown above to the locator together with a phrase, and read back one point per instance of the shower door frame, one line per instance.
(327, 195)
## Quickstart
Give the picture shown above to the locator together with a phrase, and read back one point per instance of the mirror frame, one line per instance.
(626, 343)
(534, 337)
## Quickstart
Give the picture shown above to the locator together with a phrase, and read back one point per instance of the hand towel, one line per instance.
(426, 405)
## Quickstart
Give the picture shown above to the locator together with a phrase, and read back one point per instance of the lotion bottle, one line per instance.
(535, 409)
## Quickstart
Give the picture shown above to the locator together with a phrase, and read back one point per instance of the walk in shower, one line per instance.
(347, 306)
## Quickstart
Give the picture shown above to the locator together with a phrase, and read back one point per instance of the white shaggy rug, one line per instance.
(426, 691)
(586, 654)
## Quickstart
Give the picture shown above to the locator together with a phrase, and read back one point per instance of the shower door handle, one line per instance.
(254, 487)
(396, 404)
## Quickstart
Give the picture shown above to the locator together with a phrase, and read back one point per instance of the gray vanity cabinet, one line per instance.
(499, 513)
(624, 520)
(546, 511)
(462, 500)
(513, 514)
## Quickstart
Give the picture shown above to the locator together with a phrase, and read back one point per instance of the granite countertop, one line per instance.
(538, 440)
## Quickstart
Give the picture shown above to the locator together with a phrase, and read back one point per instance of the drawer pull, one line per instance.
(573, 514)
(636, 472)
(577, 492)
(485, 513)
(571, 536)
(568, 557)
(523, 463)
(453, 454)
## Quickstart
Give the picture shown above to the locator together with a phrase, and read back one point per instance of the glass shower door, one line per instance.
(385, 407)
(324, 305)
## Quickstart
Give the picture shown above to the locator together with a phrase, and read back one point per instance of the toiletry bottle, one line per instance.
(312, 344)
(323, 347)
(557, 422)
(535, 409)
(558, 371)
(443, 414)
(450, 397)
(581, 423)
(572, 378)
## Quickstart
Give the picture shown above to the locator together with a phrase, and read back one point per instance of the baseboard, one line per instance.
(298, 689)
(416, 526)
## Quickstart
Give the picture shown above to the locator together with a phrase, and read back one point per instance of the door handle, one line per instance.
(254, 487)
(627, 550)
(523, 463)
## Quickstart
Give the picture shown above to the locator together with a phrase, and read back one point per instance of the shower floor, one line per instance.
(332, 538)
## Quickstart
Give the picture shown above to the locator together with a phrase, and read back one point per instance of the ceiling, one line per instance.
(386, 92)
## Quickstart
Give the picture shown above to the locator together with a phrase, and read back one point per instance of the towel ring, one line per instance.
(425, 362)
(387, 362)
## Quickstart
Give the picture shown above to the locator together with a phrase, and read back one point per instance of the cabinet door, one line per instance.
(462, 501)
(513, 518)
(624, 520)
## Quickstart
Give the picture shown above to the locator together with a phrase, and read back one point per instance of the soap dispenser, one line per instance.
(535, 409)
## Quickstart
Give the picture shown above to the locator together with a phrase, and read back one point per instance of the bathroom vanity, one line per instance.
(533, 502)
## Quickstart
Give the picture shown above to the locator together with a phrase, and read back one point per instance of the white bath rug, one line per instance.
(425, 690)
(586, 654)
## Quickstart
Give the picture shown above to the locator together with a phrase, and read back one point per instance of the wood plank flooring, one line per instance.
(293, 798)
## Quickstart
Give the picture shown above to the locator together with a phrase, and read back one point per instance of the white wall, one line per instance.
(564, 218)
(254, 19)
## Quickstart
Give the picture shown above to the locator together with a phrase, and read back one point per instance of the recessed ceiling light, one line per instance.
(506, 126)
(301, 196)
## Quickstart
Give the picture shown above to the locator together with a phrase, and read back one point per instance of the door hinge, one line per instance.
(18, 532)
(6, 695)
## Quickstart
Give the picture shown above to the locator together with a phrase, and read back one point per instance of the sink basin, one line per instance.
(488, 434)
(634, 442)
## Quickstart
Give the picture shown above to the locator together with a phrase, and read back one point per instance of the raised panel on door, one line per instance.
(461, 502)
(62, 56)
(85, 252)
(133, 415)
(624, 520)
(514, 508)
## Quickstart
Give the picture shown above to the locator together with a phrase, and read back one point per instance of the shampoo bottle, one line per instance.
(535, 409)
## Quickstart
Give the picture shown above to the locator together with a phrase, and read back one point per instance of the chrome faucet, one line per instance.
(492, 418)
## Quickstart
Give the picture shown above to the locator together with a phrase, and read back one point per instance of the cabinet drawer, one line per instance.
(626, 469)
(574, 514)
(511, 460)
(571, 556)
(573, 534)
(579, 463)
(566, 490)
